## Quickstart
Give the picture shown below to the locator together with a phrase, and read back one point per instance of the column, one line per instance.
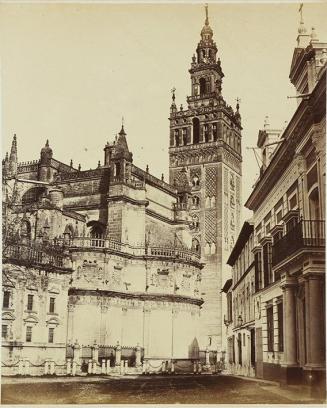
(118, 355)
(315, 339)
(210, 129)
(288, 285)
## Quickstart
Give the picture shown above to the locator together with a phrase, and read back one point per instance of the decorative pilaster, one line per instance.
(288, 285)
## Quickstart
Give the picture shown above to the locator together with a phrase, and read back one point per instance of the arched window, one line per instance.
(32, 195)
(196, 245)
(202, 86)
(176, 137)
(195, 181)
(97, 232)
(196, 130)
(195, 201)
(69, 232)
(195, 222)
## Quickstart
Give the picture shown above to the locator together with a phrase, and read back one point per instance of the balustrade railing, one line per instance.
(110, 244)
(305, 234)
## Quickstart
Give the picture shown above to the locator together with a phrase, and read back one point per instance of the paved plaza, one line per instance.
(213, 389)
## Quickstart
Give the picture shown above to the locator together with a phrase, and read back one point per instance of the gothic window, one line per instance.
(202, 86)
(196, 130)
(207, 249)
(267, 265)
(195, 245)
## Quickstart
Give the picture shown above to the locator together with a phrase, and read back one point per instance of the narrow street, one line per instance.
(150, 390)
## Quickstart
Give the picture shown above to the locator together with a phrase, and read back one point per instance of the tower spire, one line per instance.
(207, 16)
(13, 156)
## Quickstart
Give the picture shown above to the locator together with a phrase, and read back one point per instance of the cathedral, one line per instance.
(112, 268)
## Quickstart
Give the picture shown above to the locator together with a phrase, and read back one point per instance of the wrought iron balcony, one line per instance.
(36, 254)
(306, 234)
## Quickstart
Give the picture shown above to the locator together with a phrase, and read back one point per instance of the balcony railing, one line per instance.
(305, 234)
(33, 253)
(150, 250)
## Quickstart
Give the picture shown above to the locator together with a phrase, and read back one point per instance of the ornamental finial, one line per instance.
(207, 17)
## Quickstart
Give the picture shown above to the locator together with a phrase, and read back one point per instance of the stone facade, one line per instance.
(205, 142)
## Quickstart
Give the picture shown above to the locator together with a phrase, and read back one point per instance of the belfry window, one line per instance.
(176, 137)
(202, 86)
(196, 130)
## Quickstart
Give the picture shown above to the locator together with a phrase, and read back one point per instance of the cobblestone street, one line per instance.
(152, 390)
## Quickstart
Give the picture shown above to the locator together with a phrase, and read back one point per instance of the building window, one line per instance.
(30, 302)
(280, 327)
(267, 269)
(270, 328)
(258, 270)
(196, 201)
(243, 339)
(6, 299)
(51, 335)
(28, 334)
(52, 305)
(4, 331)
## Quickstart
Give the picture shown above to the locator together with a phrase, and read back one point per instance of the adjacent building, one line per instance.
(288, 235)
(240, 317)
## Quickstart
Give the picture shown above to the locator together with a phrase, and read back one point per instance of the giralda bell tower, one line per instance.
(205, 140)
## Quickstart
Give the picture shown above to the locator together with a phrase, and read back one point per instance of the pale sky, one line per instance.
(69, 72)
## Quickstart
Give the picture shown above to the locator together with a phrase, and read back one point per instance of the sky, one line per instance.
(70, 72)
